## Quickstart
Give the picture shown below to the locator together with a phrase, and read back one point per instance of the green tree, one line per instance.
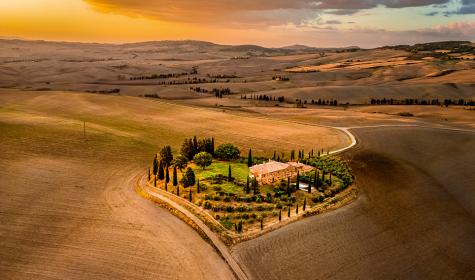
(255, 186)
(297, 209)
(274, 158)
(304, 204)
(188, 149)
(166, 155)
(180, 162)
(227, 152)
(149, 174)
(167, 174)
(175, 176)
(178, 190)
(280, 215)
(203, 159)
(161, 171)
(230, 176)
(288, 212)
(155, 165)
(262, 223)
(155, 182)
(198, 189)
(249, 159)
(188, 179)
(191, 196)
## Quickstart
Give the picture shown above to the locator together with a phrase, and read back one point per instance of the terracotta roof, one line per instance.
(268, 167)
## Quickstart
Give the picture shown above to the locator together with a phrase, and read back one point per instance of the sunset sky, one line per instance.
(366, 23)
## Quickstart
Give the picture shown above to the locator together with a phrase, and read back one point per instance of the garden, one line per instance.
(218, 182)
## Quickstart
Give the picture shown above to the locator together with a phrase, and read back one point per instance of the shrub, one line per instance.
(253, 215)
(227, 199)
(241, 208)
(216, 198)
(260, 208)
(245, 216)
(227, 152)
(217, 188)
(229, 209)
(208, 205)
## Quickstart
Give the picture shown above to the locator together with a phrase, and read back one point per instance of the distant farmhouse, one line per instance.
(272, 171)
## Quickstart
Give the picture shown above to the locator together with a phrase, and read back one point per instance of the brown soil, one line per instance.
(415, 218)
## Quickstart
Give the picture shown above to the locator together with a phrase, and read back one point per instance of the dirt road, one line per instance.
(415, 218)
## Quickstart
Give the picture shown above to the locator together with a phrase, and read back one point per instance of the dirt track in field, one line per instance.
(415, 218)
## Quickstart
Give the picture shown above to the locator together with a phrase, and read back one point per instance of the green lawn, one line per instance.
(239, 171)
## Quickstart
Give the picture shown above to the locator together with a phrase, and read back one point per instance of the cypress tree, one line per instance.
(191, 198)
(249, 158)
(288, 186)
(309, 187)
(262, 223)
(161, 172)
(166, 187)
(280, 215)
(323, 177)
(304, 203)
(229, 174)
(167, 175)
(175, 177)
(155, 182)
(318, 154)
(288, 211)
(331, 178)
(255, 186)
(297, 209)
(178, 190)
(155, 165)
(198, 189)
(274, 156)
(149, 174)
(312, 152)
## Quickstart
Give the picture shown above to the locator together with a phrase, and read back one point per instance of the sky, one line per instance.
(271, 23)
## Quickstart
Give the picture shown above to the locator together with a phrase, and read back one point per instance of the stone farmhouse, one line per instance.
(272, 171)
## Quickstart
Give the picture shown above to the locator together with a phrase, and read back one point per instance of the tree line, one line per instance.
(415, 101)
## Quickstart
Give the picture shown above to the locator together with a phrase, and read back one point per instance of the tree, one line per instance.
(161, 171)
(175, 176)
(249, 158)
(255, 186)
(262, 223)
(155, 165)
(149, 174)
(188, 179)
(167, 175)
(230, 177)
(166, 155)
(288, 186)
(288, 211)
(297, 209)
(188, 149)
(212, 146)
(292, 155)
(178, 190)
(191, 197)
(280, 215)
(227, 152)
(198, 189)
(155, 182)
(180, 162)
(304, 204)
(203, 159)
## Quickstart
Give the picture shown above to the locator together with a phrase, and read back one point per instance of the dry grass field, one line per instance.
(68, 208)
(413, 220)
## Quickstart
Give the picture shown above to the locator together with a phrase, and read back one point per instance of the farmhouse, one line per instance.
(272, 171)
